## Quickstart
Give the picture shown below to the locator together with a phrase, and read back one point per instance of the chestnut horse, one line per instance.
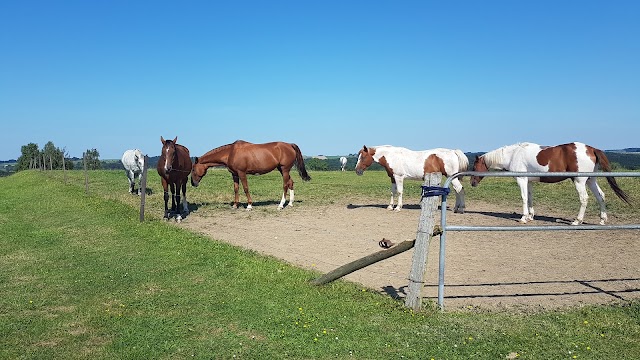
(243, 158)
(571, 157)
(174, 167)
(401, 163)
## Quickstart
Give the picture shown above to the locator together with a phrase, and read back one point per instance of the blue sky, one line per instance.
(328, 75)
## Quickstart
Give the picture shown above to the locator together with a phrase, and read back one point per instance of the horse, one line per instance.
(571, 157)
(343, 163)
(133, 162)
(174, 167)
(243, 158)
(401, 163)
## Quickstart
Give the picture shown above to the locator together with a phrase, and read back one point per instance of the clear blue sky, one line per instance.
(328, 75)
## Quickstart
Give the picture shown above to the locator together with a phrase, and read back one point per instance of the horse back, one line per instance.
(260, 158)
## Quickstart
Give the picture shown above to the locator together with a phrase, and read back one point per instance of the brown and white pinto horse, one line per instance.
(401, 163)
(174, 167)
(244, 158)
(571, 157)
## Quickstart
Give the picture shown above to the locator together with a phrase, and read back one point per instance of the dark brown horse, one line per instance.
(174, 167)
(243, 158)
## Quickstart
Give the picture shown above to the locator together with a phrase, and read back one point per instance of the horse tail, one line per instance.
(601, 159)
(302, 171)
(463, 161)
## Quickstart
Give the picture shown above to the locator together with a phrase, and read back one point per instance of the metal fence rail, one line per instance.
(445, 227)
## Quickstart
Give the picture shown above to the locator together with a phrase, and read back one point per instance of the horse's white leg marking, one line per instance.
(185, 204)
(282, 201)
(524, 193)
(597, 192)
(249, 207)
(291, 196)
(393, 193)
(530, 199)
(584, 197)
(400, 189)
(457, 186)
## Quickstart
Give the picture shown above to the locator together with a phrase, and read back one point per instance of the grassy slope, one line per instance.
(80, 277)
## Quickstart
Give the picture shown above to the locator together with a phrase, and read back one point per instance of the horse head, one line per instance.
(365, 159)
(197, 172)
(478, 165)
(168, 152)
(139, 158)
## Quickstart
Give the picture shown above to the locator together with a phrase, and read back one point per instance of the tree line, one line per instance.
(51, 157)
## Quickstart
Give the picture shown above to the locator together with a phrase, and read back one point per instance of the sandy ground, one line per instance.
(484, 270)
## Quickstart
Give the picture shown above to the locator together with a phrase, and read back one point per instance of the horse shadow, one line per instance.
(380, 206)
(566, 287)
(516, 217)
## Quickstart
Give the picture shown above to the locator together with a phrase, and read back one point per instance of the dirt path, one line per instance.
(484, 270)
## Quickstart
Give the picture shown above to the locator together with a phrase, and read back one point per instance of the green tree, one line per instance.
(92, 157)
(316, 164)
(30, 155)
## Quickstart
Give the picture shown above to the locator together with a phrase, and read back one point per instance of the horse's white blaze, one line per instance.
(166, 160)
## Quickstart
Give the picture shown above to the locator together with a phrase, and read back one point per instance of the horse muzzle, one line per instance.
(359, 172)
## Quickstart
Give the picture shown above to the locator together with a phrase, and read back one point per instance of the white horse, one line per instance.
(401, 163)
(571, 157)
(343, 163)
(133, 162)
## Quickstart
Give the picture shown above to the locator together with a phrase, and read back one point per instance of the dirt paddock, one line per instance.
(484, 270)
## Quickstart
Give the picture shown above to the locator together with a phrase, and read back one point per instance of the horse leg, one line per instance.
(394, 190)
(185, 203)
(166, 198)
(140, 183)
(236, 186)
(457, 186)
(584, 197)
(173, 197)
(131, 178)
(524, 193)
(245, 187)
(399, 189)
(532, 212)
(597, 192)
(287, 185)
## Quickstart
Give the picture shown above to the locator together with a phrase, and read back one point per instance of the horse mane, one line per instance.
(494, 157)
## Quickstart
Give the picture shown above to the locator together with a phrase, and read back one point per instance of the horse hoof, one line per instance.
(576, 222)
(459, 211)
(390, 207)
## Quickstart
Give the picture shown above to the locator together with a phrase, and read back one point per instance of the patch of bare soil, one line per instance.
(484, 270)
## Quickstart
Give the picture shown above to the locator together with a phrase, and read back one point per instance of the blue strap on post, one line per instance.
(434, 191)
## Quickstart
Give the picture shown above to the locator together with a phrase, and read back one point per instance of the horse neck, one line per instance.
(217, 156)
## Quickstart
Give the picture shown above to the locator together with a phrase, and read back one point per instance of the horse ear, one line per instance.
(161, 139)
(175, 141)
(196, 160)
(365, 148)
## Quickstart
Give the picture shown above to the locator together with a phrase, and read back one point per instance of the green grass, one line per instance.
(81, 277)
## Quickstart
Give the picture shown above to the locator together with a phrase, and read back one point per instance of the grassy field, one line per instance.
(81, 277)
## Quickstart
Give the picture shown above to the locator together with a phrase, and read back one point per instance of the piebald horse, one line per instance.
(243, 158)
(571, 157)
(174, 167)
(401, 163)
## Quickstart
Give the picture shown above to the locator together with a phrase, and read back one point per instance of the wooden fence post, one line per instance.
(143, 187)
(429, 205)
